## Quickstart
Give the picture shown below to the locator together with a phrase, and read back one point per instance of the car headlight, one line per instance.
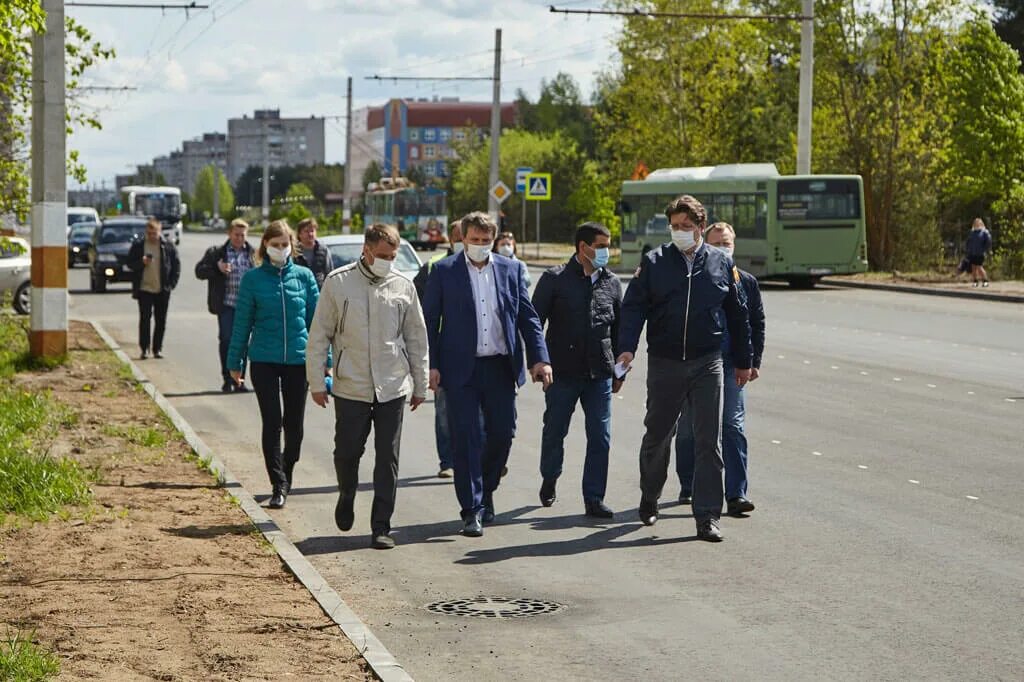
(106, 258)
(76, 249)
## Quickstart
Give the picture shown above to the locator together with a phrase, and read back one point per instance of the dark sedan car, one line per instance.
(108, 252)
(79, 239)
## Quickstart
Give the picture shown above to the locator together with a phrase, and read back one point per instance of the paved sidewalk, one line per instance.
(1008, 291)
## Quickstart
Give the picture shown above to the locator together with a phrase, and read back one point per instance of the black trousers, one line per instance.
(274, 382)
(153, 306)
(351, 429)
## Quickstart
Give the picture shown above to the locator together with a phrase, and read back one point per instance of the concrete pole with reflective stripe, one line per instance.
(492, 179)
(49, 323)
(805, 108)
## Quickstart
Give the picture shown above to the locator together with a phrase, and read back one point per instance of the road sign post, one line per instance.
(521, 174)
(538, 189)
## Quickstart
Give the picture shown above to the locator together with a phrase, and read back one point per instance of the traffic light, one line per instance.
(119, 207)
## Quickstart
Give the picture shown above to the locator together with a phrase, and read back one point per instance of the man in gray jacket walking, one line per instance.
(371, 316)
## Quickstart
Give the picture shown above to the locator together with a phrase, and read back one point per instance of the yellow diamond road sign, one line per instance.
(538, 186)
(500, 191)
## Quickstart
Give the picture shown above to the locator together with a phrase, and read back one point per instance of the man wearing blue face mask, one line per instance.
(580, 302)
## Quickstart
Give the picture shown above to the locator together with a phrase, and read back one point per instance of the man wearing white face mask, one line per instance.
(371, 316)
(679, 291)
(580, 301)
(479, 319)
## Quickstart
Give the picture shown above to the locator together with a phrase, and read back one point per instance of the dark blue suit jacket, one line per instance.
(450, 313)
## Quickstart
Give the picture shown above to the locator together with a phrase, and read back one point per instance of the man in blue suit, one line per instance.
(479, 318)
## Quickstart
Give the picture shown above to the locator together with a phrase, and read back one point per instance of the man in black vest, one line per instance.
(580, 302)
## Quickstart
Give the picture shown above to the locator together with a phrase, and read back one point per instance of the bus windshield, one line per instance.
(819, 199)
(164, 206)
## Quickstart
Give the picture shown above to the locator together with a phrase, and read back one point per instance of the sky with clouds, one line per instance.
(194, 73)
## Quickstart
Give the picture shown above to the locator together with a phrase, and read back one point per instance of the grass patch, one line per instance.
(23, 660)
(146, 436)
(32, 483)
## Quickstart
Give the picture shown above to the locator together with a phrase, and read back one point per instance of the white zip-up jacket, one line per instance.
(376, 328)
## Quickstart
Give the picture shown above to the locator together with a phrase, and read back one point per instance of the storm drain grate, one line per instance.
(494, 607)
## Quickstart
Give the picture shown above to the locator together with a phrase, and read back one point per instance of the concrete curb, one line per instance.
(383, 664)
(927, 291)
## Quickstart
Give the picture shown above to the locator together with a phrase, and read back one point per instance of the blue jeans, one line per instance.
(734, 442)
(595, 395)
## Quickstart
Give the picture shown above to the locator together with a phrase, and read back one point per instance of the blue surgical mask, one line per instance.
(727, 250)
(600, 258)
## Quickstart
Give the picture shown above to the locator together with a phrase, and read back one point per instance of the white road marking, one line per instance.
(970, 392)
(835, 366)
(807, 362)
(781, 357)
(1010, 400)
(864, 373)
(776, 442)
(910, 480)
(897, 379)
(956, 345)
(931, 385)
(816, 453)
(971, 497)
(861, 466)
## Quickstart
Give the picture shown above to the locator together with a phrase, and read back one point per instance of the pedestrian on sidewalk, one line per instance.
(979, 241)
(311, 253)
(223, 268)
(580, 302)
(442, 436)
(678, 291)
(273, 311)
(156, 270)
(505, 244)
(734, 439)
(371, 316)
(476, 356)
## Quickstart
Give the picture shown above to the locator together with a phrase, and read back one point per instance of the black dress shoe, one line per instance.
(277, 500)
(739, 505)
(227, 386)
(648, 512)
(598, 509)
(547, 492)
(472, 527)
(344, 512)
(685, 498)
(707, 529)
(488, 514)
(241, 388)
(143, 355)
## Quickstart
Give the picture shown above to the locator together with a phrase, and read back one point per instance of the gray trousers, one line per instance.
(670, 385)
(352, 421)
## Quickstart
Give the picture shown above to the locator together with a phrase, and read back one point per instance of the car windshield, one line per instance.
(112, 234)
(343, 254)
(83, 231)
(158, 205)
(79, 218)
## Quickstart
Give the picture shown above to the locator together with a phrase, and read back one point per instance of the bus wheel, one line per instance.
(803, 282)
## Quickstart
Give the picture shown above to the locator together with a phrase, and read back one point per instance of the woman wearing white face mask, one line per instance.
(275, 307)
(505, 245)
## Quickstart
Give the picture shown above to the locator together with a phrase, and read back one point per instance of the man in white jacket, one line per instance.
(371, 316)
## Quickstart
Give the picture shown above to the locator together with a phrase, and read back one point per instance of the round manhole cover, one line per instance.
(494, 607)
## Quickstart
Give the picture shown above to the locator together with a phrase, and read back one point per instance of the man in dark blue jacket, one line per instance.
(734, 440)
(476, 356)
(580, 300)
(678, 290)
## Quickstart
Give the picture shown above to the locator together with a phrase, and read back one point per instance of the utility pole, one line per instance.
(266, 176)
(346, 209)
(805, 108)
(48, 337)
(492, 203)
(216, 192)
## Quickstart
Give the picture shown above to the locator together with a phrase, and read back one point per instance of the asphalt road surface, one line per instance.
(886, 460)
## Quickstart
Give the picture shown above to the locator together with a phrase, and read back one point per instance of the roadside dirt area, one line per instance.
(163, 577)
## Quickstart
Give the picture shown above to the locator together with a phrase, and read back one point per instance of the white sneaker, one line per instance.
(446, 473)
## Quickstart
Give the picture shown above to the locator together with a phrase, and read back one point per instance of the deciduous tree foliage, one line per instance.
(202, 195)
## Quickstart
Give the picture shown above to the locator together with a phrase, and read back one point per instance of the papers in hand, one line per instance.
(620, 370)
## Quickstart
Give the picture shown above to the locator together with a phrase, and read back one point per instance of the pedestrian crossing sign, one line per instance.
(538, 186)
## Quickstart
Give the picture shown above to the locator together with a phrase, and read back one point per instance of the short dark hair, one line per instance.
(478, 220)
(690, 206)
(307, 222)
(588, 232)
(153, 222)
(379, 232)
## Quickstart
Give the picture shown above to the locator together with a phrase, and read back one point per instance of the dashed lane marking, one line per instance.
(781, 357)
(970, 392)
(861, 466)
(807, 362)
(835, 366)
(915, 482)
(970, 497)
(816, 453)
(1010, 400)
(776, 442)
(897, 379)
(931, 386)
(864, 374)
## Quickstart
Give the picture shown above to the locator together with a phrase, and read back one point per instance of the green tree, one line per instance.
(19, 20)
(1008, 21)
(372, 173)
(202, 195)
(559, 107)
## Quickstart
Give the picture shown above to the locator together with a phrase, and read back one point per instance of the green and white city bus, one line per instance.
(796, 228)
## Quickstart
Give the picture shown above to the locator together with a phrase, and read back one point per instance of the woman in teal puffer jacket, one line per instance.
(275, 307)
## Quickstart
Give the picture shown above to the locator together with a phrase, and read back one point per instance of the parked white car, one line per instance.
(16, 272)
(346, 248)
(82, 214)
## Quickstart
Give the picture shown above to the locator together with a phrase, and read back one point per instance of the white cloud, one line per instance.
(175, 77)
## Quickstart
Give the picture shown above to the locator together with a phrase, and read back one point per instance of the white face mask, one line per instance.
(684, 239)
(380, 267)
(278, 256)
(458, 247)
(478, 252)
(727, 250)
(506, 250)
